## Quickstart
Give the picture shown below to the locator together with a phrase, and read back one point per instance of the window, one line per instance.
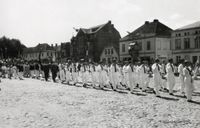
(197, 42)
(140, 45)
(108, 51)
(186, 43)
(178, 58)
(177, 43)
(105, 51)
(148, 45)
(194, 59)
(123, 48)
(185, 34)
(109, 60)
(178, 34)
(112, 51)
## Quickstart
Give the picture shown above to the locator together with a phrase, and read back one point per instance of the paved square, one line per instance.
(37, 104)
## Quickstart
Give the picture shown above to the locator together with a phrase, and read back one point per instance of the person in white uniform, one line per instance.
(181, 76)
(114, 74)
(143, 76)
(67, 73)
(156, 77)
(99, 70)
(74, 73)
(129, 75)
(93, 74)
(136, 74)
(188, 81)
(196, 69)
(62, 73)
(170, 76)
(163, 75)
(82, 74)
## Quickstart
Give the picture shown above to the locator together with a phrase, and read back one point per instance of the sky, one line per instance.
(52, 21)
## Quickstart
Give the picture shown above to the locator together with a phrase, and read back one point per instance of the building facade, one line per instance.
(108, 54)
(89, 43)
(41, 51)
(153, 39)
(185, 43)
(63, 51)
(44, 51)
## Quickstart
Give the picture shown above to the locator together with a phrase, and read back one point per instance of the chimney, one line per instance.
(52, 45)
(109, 21)
(56, 44)
(155, 20)
(146, 22)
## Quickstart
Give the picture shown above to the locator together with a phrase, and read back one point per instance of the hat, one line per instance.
(157, 60)
(186, 62)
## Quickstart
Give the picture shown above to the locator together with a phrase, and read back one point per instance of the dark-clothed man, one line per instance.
(45, 68)
(54, 71)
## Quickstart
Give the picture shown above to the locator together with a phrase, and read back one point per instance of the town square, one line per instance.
(33, 103)
(105, 64)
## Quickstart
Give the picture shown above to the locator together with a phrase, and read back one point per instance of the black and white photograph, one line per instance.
(99, 63)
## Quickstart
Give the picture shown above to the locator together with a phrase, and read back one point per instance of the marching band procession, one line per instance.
(115, 76)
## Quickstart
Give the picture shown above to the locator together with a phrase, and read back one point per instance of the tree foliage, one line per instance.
(10, 48)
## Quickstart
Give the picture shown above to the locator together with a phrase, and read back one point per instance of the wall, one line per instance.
(163, 48)
(143, 52)
(185, 53)
(35, 55)
(109, 56)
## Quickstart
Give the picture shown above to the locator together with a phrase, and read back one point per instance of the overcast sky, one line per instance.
(52, 21)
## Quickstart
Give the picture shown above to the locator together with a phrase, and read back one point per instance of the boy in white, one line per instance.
(144, 76)
(74, 73)
(156, 77)
(181, 76)
(129, 76)
(188, 81)
(93, 74)
(99, 70)
(114, 75)
(62, 73)
(67, 73)
(163, 75)
(170, 76)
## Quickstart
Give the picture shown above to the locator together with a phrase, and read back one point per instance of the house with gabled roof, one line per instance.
(153, 39)
(41, 51)
(186, 43)
(89, 43)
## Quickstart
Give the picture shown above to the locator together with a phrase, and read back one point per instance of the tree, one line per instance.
(10, 48)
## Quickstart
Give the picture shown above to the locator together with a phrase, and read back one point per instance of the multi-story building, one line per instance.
(63, 51)
(185, 43)
(89, 43)
(153, 39)
(45, 51)
(41, 51)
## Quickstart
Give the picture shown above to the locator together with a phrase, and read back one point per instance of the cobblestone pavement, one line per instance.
(37, 104)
